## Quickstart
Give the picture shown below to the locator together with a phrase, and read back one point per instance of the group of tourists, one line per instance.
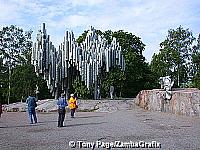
(62, 104)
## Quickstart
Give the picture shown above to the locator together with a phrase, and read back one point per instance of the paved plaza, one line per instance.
(136, 126)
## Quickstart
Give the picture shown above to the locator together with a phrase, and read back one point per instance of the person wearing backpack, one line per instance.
(31, 101)
(62, 103)
(72, 104)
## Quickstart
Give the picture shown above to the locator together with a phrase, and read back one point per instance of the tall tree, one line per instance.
(14, 47)
(136, 71)
(3, 82)
(196, 63)
(175, 56)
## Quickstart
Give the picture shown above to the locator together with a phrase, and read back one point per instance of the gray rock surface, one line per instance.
(50, 105)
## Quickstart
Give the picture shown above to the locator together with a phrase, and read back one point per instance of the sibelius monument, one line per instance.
(59, 67)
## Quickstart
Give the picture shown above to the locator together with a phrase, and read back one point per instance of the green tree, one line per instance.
(44, 92)
(115, 78)
(196, 64)
(23, 82)
(80, 89)
(175, 55)
(81, 38)
(3, 82)
(14, 47)
(137, 70)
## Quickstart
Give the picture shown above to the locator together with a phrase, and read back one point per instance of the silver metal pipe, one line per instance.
(87, 58)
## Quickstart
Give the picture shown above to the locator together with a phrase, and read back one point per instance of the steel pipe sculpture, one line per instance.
(60, 67)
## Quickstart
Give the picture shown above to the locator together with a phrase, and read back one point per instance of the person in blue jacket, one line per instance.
(31, 101)
(62, 103)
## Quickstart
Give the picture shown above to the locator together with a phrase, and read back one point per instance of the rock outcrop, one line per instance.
(50, 105)
(183, 101)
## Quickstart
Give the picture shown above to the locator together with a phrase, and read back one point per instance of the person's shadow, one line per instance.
(85, 124)
(28, 125)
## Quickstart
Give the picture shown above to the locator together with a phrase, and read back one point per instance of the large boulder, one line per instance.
(183, 101)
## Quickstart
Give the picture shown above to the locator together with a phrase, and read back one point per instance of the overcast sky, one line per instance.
(148, 19)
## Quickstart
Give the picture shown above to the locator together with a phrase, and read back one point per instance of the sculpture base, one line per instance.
(183, 101)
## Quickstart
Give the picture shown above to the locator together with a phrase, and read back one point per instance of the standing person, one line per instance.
(31, 101)
(98, 93)
(72, 104)
(62, 103)
(1, 109)
(111, 91)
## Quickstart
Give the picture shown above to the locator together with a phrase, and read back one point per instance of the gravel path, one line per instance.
(171, 131)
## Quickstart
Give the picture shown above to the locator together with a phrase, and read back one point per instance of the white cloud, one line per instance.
(87, 2)
(8, 12)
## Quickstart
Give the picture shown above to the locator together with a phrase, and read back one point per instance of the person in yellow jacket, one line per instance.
(72, 104)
